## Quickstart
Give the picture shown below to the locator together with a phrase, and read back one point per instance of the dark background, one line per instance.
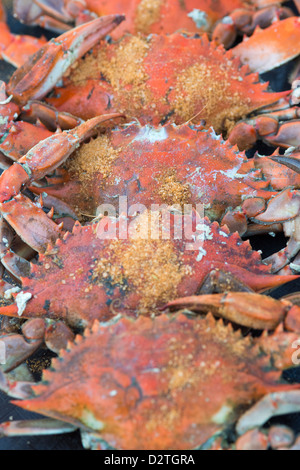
(278, 81)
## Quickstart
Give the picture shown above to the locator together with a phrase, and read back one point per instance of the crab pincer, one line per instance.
(43, 70)
(25, 121)
(45, 157)
(248, 309)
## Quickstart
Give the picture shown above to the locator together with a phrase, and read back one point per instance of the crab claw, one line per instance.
(291, 161)
(43, 70)
(19, 347)
(274, 404)
(46, 156)
(55, 16)
(282, 208)
(247, 309)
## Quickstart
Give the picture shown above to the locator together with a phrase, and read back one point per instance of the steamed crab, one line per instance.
(171, 165)
(201, 84)
(146, 384)
(99, 270)
(158, 16)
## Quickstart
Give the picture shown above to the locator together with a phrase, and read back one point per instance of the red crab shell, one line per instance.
(147, 384)
(87, 276)
(156, 16)
(165, 165)
(167, 16)
(163, 78)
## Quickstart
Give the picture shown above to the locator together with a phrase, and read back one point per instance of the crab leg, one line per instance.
(46, 156)
(16, 389)
(30, 222)
(60, 11)
(281, 43)
(18, 349)
(27, 11)
(292, 161)
(15, 264)
(35, 332)
(247, 309)
(52, 15)
(282, 208)
(43, 70)
(49, 116)
(297, 3)
(274, 404)
(270, 128)
(36, 427)
(282, 258)
(244, 21)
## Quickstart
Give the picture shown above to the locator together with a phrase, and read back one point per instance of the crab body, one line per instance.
(101, 269)
(158, 83)
(167, 165)
(171, 79)
(146, 384)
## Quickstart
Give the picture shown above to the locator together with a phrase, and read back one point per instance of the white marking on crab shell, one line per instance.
(88, 418)
(290, 150)
(214, 135)
(21, 301)
(200, 18)
(151, 135)
(8, 293)
(222, 415)
(3, 120)
(205, 232)
(227, 20)
(201, 254)
(232, 173)
(223, 234)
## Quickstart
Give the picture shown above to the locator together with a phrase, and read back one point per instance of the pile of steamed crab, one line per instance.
(142, 152)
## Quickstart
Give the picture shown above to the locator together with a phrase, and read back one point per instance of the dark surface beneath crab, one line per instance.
(279, 81)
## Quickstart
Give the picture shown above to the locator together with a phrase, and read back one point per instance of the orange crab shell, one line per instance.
(147, 384)
(166, 16)
(88, 275)
(163, 78)
(164, 165)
